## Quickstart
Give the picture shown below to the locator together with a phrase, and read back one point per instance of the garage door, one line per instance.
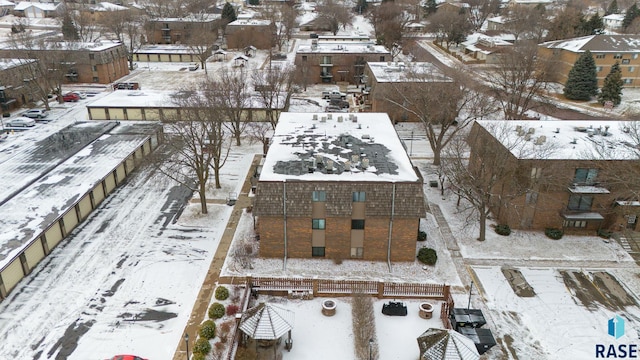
(116, 114)
(97, 114)
(130, 164)
(53, 235)
(121, 174)
(134, 114)
(165, 57)
(85, 206)
(34, 253)
(98, 194)
(147, 147)
(154, 141)
(12, 274)
(169, 114)
(110, 182)
(152, 114)
(70, 220)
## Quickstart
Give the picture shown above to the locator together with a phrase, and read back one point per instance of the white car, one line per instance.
(35, 113)
(20, 122)
(81, 95)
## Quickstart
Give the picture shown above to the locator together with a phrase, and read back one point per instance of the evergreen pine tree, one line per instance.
(69, 31)
(595, 25)
(582, 82)
(613, 8)
(632, 13)
(612, 88)
(430, 7)
(228, 13)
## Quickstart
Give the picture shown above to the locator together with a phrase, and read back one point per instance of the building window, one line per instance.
(635, 56)
(536, 173)
(585, 176)
(531, 197)
(91, 56)
(94, 68)
(317, 224)
(356, 252)
(632, 69)
(357, 224)
(598, 68)
(326, 60)
(95, 79)
(381, 58)
(600, 56)
(304, 57)
(574, 224)
(617, 56)
(580, 202)
(317, 251)
(319, 196)
(628, 81)
(358, 196)
(626, 61)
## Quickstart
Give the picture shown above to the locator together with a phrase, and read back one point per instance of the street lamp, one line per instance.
(370, 345)
(411, 145)
(186, 341)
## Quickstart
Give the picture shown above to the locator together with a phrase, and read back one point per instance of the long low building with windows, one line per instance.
(338, 186)
(56, 183)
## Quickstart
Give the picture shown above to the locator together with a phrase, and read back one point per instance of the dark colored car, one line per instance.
(126, 357)
(70, 97)
(343, 104)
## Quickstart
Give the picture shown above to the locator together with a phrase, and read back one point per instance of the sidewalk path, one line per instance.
(206, 291)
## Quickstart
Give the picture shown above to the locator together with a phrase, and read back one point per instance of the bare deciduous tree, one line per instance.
(364, 327)
(197, 141)
(444, 106)
(334, 15)
(275, 87)
(127, 28)
(234, 100)
(390, 22)
(526, 23)
(519, 78)
(449, 27)
(490, 176)
(480, 10)
(201, 44)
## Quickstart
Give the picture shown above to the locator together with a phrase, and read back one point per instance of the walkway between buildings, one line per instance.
(201, 305)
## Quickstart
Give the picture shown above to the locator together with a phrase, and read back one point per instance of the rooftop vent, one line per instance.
(323, 119)
(527, 136)
(355, 158)
(532, 130)
(315, 116)
(365, 136)
(329, 166)
(519, 128)
(574, 141)
(329, 116)
(340, 119)
(557, 130)
(365, 163)
(541, 140)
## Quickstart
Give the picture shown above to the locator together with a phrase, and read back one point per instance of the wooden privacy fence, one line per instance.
(329, 287)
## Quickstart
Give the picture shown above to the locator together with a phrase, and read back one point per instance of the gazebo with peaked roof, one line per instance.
(443, 344)
(267, 322)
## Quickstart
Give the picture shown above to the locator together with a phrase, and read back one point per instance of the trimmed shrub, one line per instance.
(222, 293)
(232, 309)
(422, 236)
(427, 256)
(553, 233)
(208, 329)
(503, 229)
(216, 311)
(202, 346)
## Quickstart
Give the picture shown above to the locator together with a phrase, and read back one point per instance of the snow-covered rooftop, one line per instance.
(23, 5)
(336, 147)
(10, 63)
(165, 49)
(191, 18)
(411, 72)
(68, 45)
(107, 6)
(6, 3)
(565, 140)
(335, 47)
(597, 43)
(160, 99)
(249, 22)
(31, 211)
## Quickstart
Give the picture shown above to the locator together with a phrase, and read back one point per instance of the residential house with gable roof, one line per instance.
(606, 51)
(36, 9)
(338, 186)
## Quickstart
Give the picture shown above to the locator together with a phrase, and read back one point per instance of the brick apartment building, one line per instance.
(606, 51)
(181, 30)
(577, 185)
(97, 62)
(386, 79)
(249, 32)
(338, 186)
(321, 61)
(14, 90)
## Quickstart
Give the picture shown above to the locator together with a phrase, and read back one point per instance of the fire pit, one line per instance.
(329, 307)
(426, 310)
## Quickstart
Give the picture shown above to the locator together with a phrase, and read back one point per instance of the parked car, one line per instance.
(333, 94)
(194, 66)
(81, 95)
(333, 108)
(20, 122)
(35, 113)
(126, 357)
(126, 86)
(343, 104)
(70, 97)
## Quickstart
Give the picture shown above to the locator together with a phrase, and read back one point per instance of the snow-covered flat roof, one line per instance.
(565, 140)
(107, 6)
(22, 166)
(336, 147)
(23, 5)
(335, 47)
(249, 22)
(597, 43)
(165, 49)
(11, 63)
(158, 99)
(69, 45)
(30, 212)
(411, 72)
(191, 18)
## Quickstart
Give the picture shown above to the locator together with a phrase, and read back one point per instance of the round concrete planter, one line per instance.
(329, 307)
(426, 310)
